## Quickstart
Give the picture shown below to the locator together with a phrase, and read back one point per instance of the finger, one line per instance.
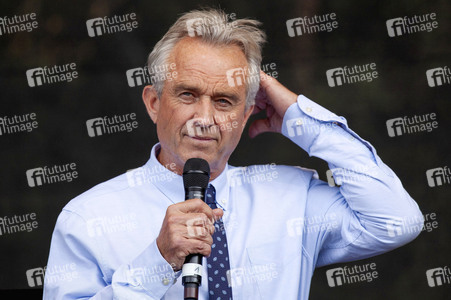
(192, 246)
(256, 110)
(195, 206)
(199, 225)
(266, 81)
(218, 213)
(198, 219)
(260, 103)
(259, 126)
(184, 237)
(261, 94)
(270, 111)
(201, 233)
(200, 247)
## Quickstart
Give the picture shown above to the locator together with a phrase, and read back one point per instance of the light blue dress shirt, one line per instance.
(281, 221)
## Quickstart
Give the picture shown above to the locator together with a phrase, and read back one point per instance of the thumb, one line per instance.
(218, 213)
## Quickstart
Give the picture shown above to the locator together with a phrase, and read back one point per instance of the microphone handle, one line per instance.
(195, 192)
(192, 268)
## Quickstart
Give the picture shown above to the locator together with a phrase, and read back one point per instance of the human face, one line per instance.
(199, 113)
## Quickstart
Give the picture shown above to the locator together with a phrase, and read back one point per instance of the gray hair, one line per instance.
(215, 30)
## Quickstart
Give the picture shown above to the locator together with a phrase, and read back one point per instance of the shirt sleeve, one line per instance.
(370, 208)
(147, 276)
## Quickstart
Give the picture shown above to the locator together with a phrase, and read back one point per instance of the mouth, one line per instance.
(201, 138)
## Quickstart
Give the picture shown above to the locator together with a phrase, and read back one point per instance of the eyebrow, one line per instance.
(183, 86)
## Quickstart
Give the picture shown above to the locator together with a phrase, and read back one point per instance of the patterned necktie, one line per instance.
(218, 262)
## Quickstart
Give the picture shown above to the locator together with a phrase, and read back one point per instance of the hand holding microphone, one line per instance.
(188, 226)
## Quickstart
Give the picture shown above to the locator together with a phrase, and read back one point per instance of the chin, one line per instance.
(198, 154)
(212, 159)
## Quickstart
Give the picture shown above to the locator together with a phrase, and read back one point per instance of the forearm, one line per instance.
(147, 275)
(370, 188)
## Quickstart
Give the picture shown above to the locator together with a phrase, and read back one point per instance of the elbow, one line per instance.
(401, 230)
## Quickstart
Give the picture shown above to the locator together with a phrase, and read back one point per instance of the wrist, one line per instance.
(290, 99)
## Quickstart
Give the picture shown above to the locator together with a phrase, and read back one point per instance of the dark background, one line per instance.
(62, 109)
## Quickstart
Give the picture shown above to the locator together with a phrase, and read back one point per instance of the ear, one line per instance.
(151, 101)
(247, 114)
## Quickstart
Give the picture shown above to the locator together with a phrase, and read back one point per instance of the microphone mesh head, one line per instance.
(196, 172)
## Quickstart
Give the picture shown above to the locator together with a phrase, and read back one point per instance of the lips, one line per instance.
(202, 138)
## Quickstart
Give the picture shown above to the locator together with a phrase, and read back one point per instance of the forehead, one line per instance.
(193, 57)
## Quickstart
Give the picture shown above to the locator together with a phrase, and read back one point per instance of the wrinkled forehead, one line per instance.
(195, 59)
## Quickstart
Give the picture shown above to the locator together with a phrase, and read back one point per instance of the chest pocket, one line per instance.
(276, 269)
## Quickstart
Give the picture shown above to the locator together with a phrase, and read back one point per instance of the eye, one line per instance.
(223, 102)
(187, 96)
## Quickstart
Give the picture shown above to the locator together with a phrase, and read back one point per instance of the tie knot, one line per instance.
(210, 195)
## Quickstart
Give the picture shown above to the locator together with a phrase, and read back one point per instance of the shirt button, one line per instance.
(309, 109)
(298, 122)
(166, 281)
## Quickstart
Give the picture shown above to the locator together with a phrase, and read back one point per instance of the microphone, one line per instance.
(196, 175)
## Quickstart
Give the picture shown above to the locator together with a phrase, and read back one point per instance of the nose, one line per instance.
(205, 111)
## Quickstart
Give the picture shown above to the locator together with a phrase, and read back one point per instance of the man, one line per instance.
(127, 238)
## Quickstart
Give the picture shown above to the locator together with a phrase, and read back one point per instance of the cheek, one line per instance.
(232, 129)
(173, 121)
(168, 117)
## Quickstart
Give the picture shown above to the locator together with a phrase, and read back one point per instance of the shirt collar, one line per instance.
(171, 184)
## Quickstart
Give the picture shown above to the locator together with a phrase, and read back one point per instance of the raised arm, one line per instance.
(371, 205)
